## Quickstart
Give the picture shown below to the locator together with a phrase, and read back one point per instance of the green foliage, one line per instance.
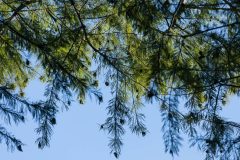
(162, 51)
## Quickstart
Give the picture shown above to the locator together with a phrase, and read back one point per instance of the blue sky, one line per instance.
(77, 135)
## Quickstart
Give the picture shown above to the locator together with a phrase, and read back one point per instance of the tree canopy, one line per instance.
(160, 51)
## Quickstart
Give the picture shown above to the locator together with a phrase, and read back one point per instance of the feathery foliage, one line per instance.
(160, 51)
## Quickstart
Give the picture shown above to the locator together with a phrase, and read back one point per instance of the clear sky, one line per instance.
(77, 135)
